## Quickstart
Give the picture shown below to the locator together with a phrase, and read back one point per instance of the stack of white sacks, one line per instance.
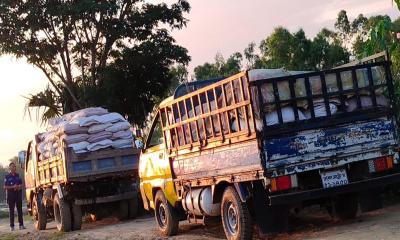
(86, 130)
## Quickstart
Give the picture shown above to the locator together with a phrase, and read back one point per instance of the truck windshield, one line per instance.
(156, 134)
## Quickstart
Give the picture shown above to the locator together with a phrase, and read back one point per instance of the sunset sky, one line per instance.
(224, 26)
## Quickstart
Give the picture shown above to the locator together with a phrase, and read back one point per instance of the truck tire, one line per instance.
(133, 207)
(76, 213)
(123, 211)
(39, 212)
(236, 219)
(346, 206)
(62, 214)
(166, 216)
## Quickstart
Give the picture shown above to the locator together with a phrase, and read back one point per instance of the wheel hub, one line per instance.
(231, 218)
(162, 215)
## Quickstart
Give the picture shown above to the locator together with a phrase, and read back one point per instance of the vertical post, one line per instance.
(340, 88)
(219, 117)
(356, 90)
(225, 113)
(309, 96)
(261, 103)
(188, 124)
(371, 86)
(325, 94)
(195, 121)
(293, 99)
(210, 117)
(277, 100)
(245, 107)
(202, 118)
(180, 120)
(236, 109)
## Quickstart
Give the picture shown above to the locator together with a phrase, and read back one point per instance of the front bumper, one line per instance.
(296, 197)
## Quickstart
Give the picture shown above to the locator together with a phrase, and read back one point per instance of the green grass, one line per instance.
(8, 236)
(3, 214)
(27, 218)
(56, 236)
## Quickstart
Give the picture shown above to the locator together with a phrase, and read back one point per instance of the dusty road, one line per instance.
(316, 224)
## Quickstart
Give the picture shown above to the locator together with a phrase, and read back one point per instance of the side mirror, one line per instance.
(22, 158)
(139, 144)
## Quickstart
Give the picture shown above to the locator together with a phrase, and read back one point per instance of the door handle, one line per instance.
(161, 155)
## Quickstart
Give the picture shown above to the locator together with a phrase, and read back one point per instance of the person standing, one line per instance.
(13, 187)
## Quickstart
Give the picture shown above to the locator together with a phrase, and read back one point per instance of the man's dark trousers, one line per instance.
(15, 200)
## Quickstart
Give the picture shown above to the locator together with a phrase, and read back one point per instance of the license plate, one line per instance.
(334, 178)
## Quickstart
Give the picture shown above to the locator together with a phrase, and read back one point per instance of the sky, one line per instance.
(224, 26)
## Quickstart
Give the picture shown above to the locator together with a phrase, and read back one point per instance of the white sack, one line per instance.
(366, 102)
(100, 145)
(110, 118)
(107, 118)
(123, 143)
(119, 126)
(50, 137)
(70, 139)
(72, 129)
(80, 146)
(320, 111)
(96, 137)
(122, 135)
(87, 112)
(98, 127)
(287, 116)
(87, 121)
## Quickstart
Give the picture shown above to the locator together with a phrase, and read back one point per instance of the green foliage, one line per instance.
(293, 51)
(45, 104)
(220, 67)
(73, 42)
(139, 77)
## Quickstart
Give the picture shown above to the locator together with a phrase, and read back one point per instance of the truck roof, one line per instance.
(189, 87)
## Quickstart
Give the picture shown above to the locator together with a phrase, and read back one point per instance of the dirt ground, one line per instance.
(313, 223)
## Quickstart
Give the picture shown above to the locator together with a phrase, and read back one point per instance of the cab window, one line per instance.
(156, 137)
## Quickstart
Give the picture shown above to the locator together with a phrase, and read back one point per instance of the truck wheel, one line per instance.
(346, 206)
(235, 215)
(76, 213)
(166, 216)
(133, 207)
(123, 211)
(62, 214)
(39, 213)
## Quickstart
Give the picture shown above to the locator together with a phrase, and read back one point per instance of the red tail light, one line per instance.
(380, 164)
(283, 183)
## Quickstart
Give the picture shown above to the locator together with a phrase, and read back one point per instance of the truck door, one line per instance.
(155, 170)
(30, 170)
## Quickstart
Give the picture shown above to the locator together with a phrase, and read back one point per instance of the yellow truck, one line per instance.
(251, 146)
(66, 186)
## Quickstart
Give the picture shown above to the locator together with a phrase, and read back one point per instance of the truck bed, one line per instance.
(88, 166)
(330, 147)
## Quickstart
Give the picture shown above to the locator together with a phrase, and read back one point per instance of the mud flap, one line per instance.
(370, 200)
(270, 219)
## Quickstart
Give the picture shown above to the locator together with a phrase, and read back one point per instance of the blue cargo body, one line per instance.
(102, 163)
(330, 147)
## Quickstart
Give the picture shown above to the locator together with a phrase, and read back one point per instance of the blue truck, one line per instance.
(250, 147)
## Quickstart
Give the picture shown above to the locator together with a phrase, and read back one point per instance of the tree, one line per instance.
(220, 67)
(140, 77)
(276, 49)
(326, 51)
(72, 42)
